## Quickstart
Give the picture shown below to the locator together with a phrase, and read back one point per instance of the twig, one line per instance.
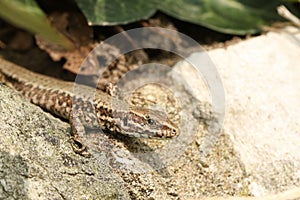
(285, 13)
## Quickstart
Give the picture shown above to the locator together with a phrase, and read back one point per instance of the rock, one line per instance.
(261, 80)
(37, 161)
(256, 152)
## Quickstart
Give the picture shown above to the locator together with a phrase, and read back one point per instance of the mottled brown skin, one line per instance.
(85, 106)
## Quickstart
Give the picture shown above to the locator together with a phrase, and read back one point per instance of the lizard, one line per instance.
(82, 110)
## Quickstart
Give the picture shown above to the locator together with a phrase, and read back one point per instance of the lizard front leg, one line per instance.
(77, 129)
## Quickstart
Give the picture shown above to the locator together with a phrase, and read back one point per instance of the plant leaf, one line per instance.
(102, 12)
(26, 14)
(227, 16)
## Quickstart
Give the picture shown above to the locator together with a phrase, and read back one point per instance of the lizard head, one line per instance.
(145, 123)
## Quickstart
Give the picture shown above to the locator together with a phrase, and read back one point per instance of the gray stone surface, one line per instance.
(261, 78)
(256, 153)
(37, 161)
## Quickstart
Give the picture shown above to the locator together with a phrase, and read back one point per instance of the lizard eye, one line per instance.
(150, 121)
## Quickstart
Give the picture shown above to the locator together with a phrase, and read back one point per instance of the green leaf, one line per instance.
(227, 16)
(27, 15)
(112, 12)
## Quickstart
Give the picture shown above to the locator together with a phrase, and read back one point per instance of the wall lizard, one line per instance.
(57, 97)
